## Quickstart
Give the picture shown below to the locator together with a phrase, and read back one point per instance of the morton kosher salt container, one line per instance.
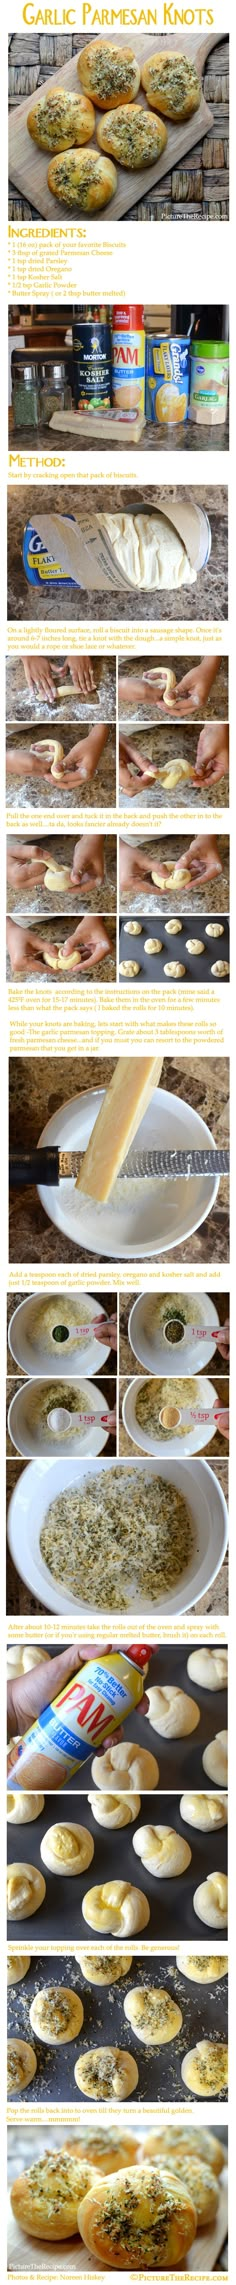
(128, 357)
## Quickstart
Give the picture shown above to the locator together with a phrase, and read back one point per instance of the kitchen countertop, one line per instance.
(38, 793)
(104, 971)
(161, 744)
(38, 1088)
(129, 1363)
(199, 185)
(159, 2068)
(208, 599)
(27, 706)
(21, 1603)
(171, 1901)
(128, 1449)
(215, 706)
(99, 897)
(212, 897)
(185, 437)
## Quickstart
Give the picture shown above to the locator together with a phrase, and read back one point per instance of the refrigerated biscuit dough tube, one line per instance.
(123, 1108)
(121, 550)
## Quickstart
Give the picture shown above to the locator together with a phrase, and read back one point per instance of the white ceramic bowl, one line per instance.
(156, 1354)
(63, 1362)
(194, 1439)
(44, 1479)
(156, 1215)
(27, 1437)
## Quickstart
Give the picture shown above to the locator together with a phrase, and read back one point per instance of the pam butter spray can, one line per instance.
(87, 1710)
(128, 357)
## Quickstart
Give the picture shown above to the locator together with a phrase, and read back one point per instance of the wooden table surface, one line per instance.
(199, 186)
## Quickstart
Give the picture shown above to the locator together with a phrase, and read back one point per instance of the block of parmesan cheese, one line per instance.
(124, 1104)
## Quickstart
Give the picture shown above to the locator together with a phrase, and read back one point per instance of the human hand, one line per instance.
(106, 1330)
(129, 754)
(192, 691)
(83, 758)
(93, 939)
(135, 868)
(222, 1339)
(26, 950)
(39, 676)
(24, 866)
(30, 1693)
(82, 674)
(26, 762)
(222, 1421)
(202, 859)
(212, 753)
(88, 859)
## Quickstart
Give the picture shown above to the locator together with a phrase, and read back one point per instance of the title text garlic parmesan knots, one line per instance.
(116, 1908)
(162, 1851)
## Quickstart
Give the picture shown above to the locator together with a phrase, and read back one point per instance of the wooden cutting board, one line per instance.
(28, 167)
(27, 2254)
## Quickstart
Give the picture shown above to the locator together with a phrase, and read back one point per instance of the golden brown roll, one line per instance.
(205, 2067)
(171, 84)
(106, 2074)
(108, 73)
(134, 136)
(141, 2219)
(58, 122)
(82, 180)
(105, 2150)
(46, 2198)
(202, 2187)
(173, 2143)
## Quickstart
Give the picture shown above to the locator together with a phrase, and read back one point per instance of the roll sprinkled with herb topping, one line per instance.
(82, 180)
(134, 136)
(142, 2219)
(46, 2198)
(108, 73)
(171, 84)
(59, 121)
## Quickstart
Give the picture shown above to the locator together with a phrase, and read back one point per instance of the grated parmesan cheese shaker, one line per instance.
(85, 1712)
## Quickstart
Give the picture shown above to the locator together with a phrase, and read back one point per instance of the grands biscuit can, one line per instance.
(167, 379)
(128, 357)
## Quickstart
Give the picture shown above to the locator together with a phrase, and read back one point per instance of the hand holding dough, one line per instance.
(57, 878)
(105, 1969)
(106, 2073)
(205, 2067)
(153, 2015)
(204, 1810)
(160, 674)
(22, 1808)
(129, 1765)
(162, 1851)
(21, 2066)
(210, 1901)
(113, 1809)
(153, 2208)
(209, 1668)
(215, 1758)
(26, 1890)
(171, 1712)
(67, 1849)
(116, 1908)
(56, 2014)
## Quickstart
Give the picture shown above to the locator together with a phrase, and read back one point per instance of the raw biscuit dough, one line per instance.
(202, 2186)
(116, 1908)
(130, 1765)
(174, 968)
(21, 2066)
(175, 2143)
(210, 1901)
(162, 1851)
(22, 1657)
(129, 968)
(220, 968)
(104, 1969)
(173, 772)
(153, 944)
(57, 877)
(18, 1964)
(193, 944)
(207, 1969)
(215, 928)
(132, 928)
(22, 1808)
(159, 674)
(208, 1667)
(173, 927)
(109, 73)
(106, 2072)
(46, 2198)
(205, 2067)
(153, 2014)
(56, 2014)
(26, 1890)
(204, 1810)
(161, 2217)
(62, 960)
(82, 180)
(58, 770)
(67, 1849)
(147, 548)
(52, 750)
(113, 1809)
(132, 135)
(215, 1758)
(171, 1712)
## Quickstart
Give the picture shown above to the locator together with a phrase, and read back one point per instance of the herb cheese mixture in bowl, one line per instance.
(48, 1417)
(143, 1536)
(152, 1413)
(51, 1332)
(164, 1331)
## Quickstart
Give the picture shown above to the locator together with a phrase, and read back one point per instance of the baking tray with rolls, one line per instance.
(170, 1899)
(151, 966)
(202, 2006)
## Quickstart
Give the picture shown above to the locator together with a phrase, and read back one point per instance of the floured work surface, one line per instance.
(28, 166)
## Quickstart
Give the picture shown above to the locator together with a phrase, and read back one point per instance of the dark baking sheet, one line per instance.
(179, 1759)
(198, 968)
(204, 2010)
(171, 1901)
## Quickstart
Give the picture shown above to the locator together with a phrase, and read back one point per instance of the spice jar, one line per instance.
(55, 388)
(25, 389)
(209, 374)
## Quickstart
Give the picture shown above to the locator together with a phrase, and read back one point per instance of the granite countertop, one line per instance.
(56, 931)
(215, 707)
(110, 1395)
(127, 1446)
(21, 1603)
(211, 896)
(208, 599)
(100, 897)
(37, 793)
(27, 706)
(187, 437)
(197, 185)
(128, 1362)
(162, 744)
(106, 1300)
(38, 1088)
